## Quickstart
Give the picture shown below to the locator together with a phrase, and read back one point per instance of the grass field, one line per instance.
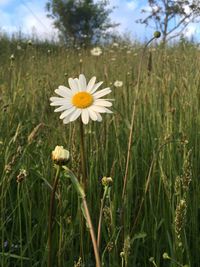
(159, 212)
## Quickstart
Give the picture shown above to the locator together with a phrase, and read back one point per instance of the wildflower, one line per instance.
(96, 51)
(166, 256)
(19, 47)
(115, 45)
(106, 181)
(21, 176)
(60, 155)
(29, 42)
(118, 83)
(12, 57)
(81, 100)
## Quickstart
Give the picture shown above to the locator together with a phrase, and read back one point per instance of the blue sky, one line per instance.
(29, 16)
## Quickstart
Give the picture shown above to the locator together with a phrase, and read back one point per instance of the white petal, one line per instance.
(98, 109)
(101, 109)
(76, 80)
(64, 107)
(95, 87)
(92, 114)
(108, 110)
(63, 91)
(99, 118)
(54, 98)
(91, 84)
(85, 116)
(102, 102)
(82, 82)
(66, 120)
(67, 112)
(102, 93)
(60, 103)
(75, 115)
(73, 85)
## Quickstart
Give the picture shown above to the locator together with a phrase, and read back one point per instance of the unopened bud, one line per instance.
(106, 181)
(166, 256)
(60, 155)
(157, 34)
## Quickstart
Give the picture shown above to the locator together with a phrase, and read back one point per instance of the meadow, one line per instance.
(154, 220)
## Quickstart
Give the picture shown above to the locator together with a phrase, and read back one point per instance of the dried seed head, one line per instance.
(180, 215)
(21, 176)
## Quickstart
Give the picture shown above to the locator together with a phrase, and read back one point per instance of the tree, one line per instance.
(171, 17)
(82, 21)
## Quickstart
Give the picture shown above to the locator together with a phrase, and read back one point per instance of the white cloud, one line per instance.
(30, 19)
(191, 30)
(131, 5)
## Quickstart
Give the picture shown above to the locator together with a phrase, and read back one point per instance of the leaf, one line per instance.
(138, 236)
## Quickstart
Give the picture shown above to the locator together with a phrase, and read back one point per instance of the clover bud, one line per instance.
(60, 155)
(157, 34)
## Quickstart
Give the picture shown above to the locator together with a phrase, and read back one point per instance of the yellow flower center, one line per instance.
(82, 100)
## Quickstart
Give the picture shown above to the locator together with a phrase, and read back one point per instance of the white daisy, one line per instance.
(118, 83)
(96, 51)
(81, 99)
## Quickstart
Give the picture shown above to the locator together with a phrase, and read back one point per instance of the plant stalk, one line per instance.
(83, 158)
(51, 215)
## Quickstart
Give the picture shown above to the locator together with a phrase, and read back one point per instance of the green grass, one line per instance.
(165, 145)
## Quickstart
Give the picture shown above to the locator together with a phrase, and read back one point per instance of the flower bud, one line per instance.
(157, 34)
(166, 256)
(60, 155)
(12, 57)
(106, 181)
(29, 42)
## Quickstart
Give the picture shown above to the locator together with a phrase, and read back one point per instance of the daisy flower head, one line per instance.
(96, 51)
(81, 99)
(118, 83)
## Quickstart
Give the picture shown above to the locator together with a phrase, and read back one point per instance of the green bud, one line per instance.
(157, 34)
(106, 181)
(166, 256)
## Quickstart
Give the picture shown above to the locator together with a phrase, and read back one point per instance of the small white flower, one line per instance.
(115, 45)
(12, 57)
(19, 47)
(118, 83)
(96, 51)
(29, 42)
(81, 99)
(113, 59)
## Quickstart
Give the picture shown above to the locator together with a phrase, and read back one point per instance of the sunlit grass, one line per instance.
(165, 138)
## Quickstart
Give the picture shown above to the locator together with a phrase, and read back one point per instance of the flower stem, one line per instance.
(86, 214)
(51, 215)
(83, 159)
(137, 94)
(100, 216)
